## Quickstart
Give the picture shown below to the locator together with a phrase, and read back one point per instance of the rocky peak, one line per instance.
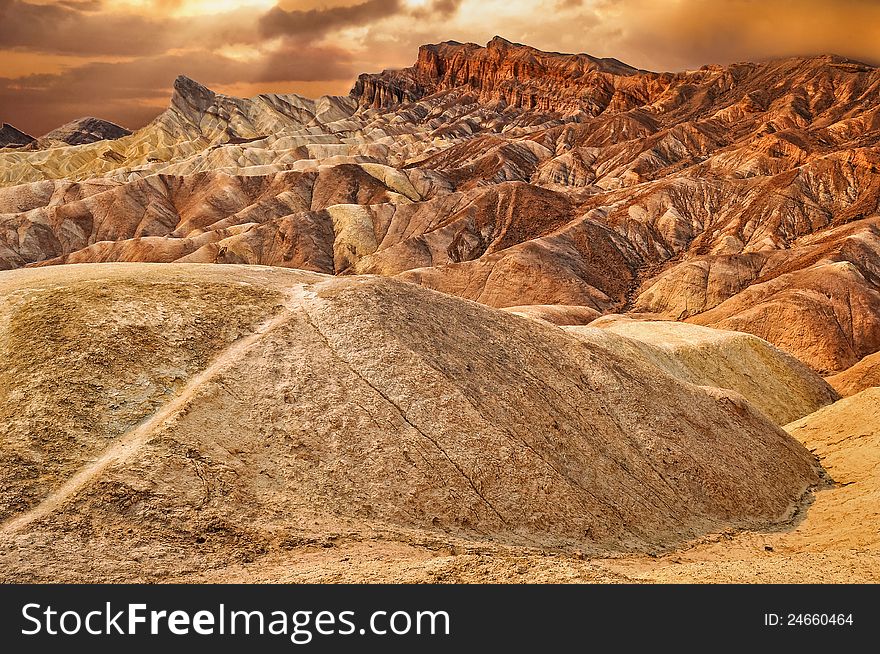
(10, 136)
(191, 99)
(85, 130)
(500, 43)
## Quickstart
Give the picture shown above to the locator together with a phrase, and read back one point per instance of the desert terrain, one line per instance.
(501, 316)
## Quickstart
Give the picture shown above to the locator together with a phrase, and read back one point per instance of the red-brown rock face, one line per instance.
(503, 72)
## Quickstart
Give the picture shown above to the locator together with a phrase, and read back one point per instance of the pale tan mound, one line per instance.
(770, 379)
(301, 409)
(557, 314)
(84, 362)
(865, 374)
(846, 437)
(836, 540)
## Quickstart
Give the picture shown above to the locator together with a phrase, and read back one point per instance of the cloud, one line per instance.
(437, 9)
(445, 8)
(315, 22)
(66, 28)
(690, 33)
(76, 28)
(82, 5)
(302, 62)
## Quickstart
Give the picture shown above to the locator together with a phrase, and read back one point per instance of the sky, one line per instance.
(117, 59)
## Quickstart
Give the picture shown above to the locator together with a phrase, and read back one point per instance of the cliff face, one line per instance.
(795, 91)
(505, 72)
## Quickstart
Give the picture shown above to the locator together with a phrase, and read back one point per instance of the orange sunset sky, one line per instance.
(117, 59)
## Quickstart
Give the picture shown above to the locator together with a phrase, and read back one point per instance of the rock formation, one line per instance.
(743, 197)
(508, 73)
(678, 257)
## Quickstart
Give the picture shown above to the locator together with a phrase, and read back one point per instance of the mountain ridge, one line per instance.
(725, 195)
(10, 136)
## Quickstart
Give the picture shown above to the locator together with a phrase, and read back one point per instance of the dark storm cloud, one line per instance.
(280, 22)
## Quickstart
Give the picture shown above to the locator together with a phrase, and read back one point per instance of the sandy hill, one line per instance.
(770, 379)
(185, 420)
(864, 374)
(835, 540)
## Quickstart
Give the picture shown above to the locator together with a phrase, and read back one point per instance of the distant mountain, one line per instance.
(506, 72)
(85, 130)
(11, 137)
